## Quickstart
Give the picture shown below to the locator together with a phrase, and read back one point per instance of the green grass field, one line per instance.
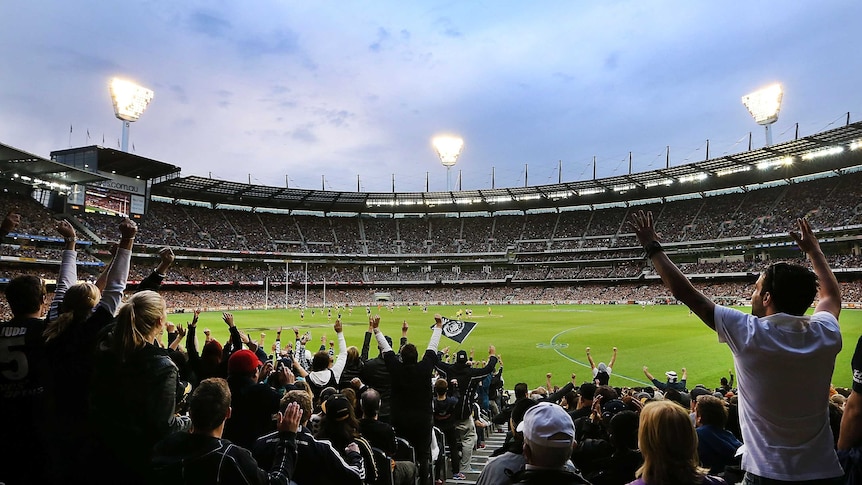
(536, 339)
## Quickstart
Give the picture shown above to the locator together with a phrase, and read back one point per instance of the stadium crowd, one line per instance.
(102, 389)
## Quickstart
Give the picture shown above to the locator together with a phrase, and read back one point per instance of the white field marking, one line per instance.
(586, 364)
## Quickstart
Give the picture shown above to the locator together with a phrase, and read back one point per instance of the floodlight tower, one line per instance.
(764, 105)
(448, 148)
(130, 101)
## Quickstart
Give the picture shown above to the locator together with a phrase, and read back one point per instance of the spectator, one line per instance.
(549, 436)
(716, 446)
(77, 313)
(317, 461)
(850, 436)
(412, 412)
(468, 379)
(374, 372)
(340, 427)
(252, 403)
(602, 372)
(445, 403)
(203, 457)
(625, 458)
(777, 340)
(382, 436)
(726, 385)
(673, 381)
(325, 373)
(133, 392)
(669, 446)
(22, 408)
(512, 460)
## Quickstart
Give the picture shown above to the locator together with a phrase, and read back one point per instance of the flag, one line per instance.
(457, 330)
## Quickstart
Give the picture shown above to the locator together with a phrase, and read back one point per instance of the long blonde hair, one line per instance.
(668, 442)
(138, 320)
(77, 306)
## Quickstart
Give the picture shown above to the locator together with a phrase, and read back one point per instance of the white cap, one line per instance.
(548, 424)
(671, 375)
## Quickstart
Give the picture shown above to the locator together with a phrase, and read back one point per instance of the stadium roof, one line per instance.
(123, 163)
(15, 163)
(832, 150)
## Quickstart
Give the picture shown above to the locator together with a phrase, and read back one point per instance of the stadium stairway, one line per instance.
(480, 458)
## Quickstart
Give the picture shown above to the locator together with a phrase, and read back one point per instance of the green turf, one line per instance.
(536, 339)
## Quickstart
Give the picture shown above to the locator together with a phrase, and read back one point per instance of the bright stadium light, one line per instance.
(448, 148)
(130, 101)
(764, 105)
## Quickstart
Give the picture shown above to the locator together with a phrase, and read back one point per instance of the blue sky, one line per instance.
(337, 90)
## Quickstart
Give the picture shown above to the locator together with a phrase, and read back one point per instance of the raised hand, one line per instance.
(375, 322)
(805, 238)
(438, 320)
(642, 223)
(228, 319)
(128, 229)
(66, 230)
(337, 327)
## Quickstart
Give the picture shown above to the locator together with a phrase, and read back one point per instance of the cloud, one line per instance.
(382, 36)
(209, 23)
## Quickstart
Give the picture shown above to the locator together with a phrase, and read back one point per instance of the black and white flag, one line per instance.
(457, 330)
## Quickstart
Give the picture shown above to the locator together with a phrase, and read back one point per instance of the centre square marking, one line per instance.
(545, 345)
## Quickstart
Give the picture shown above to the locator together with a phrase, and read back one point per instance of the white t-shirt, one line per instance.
(784, 366)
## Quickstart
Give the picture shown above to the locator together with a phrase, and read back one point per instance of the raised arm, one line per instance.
(647, 374)
(830, 292)
(341, 359)
(435, 334)
(154, 280)
(590, 359)
(613, 359)
(676, 282)
(117, 275)
(68, 268)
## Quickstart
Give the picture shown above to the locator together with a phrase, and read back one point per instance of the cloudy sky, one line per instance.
(278, 89)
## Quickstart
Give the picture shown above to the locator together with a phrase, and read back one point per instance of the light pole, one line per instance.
(764, 105)
(130, 101)
(448, 148)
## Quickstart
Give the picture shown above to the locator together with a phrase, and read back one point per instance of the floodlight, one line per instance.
(448, 149)
(764, 105)
(130, 100)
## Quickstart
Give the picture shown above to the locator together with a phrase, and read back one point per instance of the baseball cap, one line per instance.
(242, 362)
(461, 357)
(671, 375)
(337, 407)
(548, 424)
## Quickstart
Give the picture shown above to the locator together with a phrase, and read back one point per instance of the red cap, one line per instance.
(242, 362)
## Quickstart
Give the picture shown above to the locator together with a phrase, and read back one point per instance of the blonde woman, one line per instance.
(133, 396)
(668, 442)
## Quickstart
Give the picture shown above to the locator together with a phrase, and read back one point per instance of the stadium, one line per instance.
(248, 247)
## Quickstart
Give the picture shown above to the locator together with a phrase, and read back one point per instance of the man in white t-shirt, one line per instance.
(787, 436)
(602, 372)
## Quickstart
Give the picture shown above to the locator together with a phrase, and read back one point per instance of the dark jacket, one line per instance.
(252, 406)
(317, 461)
(468, 380)
(132, 407)
(192, 459)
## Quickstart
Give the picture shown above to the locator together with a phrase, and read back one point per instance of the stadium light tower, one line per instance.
(764, 105)
(448, 148)
(130, 101)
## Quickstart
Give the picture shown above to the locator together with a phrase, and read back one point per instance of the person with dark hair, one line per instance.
(325, 372)
(374, 372)
(468, 379)
(412, 409)
(620, 466)
(22, 350)
(716, 446)
(317, 461)
(785, 439)
(204, 457)
(445, 402)
(134, 391)
(341, 429)
(726, 385)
